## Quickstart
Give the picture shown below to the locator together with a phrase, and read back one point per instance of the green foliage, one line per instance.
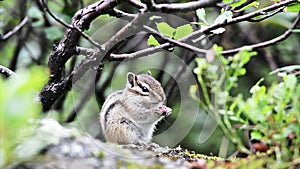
(165, 29)
(183, 31)
(252, 4)
(238, 3)
(152, 41)
(201, 14)
(271, 113)
(223, 76)
(224, 16)
(275, 114)
(18, 108)
(293, 8)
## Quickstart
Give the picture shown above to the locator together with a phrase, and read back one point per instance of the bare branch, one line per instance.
(120, 14)
(67, 47)
(137, 4)
(177, 42)
(184, 7)
(241, 18)
(266, 43)
(138, 54)
(6, 72)
(121, 34)
(15, 30)
(46, 8)
(86, 96)
(84, 35)
(268, 15)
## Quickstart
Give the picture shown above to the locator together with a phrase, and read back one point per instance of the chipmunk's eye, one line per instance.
(144, 89)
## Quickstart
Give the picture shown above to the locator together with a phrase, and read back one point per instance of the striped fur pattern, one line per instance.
(130, 115)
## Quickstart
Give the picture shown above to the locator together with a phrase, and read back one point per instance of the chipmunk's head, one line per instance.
(145, 88)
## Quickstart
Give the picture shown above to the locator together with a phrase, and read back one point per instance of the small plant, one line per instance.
(270, 114)
(17, 109)
(216, 80)
(274, 113)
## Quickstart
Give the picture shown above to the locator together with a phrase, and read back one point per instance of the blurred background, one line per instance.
(28, 52)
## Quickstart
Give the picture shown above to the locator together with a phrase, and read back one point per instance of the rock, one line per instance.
(54, 146)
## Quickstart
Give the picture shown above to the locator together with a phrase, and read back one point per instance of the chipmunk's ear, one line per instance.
(149, 73)
(131, 78)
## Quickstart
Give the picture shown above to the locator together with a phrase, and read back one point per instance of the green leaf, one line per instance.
(290, 81)
(165, 29)
(293, 8)
(237, 4)
(201, 14)
(227, 1)
(54, 33)
(19, 107)
(227, 15)
(152, 41)
(253, 4)
(183, 31)
(255, 135)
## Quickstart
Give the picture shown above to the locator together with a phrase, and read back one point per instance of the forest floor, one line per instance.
(54, 146)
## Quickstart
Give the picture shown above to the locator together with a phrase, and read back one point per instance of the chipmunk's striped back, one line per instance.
(130, 115)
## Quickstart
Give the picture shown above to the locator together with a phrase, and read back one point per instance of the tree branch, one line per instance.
(6, 72)
(268, 15)
(241, 18)
(184, 7)
(15, 30)
(266, 43)
(84, 35)
(67, 47)
(138, 54)
(177, 42)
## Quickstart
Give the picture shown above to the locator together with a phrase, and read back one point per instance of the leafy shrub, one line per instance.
(18, 108)
(270, 114)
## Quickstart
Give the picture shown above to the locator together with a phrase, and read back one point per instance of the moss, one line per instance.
(133, 165)
(190, 156)
(101, 155)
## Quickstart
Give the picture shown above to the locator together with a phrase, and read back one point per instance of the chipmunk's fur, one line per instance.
(130, 115)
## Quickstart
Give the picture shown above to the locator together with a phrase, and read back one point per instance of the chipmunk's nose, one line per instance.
(165, 110)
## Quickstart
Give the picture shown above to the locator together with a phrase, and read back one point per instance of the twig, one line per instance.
(121, 34)
(177, 42)
(266, 43)
(84, 35)
(240, 18)
(87, 94)
(184, 7)
(138, 54)
(189, 57)
(270, 59)
(267, 16)
(120, 14)
(6, 72)
(46, 8)
(15, 30)
(85, 51)
(137, 4)
(62, 52)
(20, 43)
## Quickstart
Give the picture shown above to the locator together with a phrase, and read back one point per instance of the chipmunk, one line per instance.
(130, 115)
